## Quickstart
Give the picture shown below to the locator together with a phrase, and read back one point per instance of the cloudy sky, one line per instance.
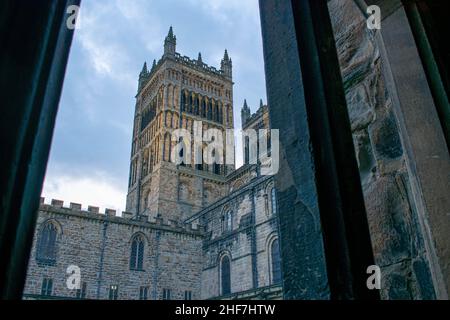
(89, 160)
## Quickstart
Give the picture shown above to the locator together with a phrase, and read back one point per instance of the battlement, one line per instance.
(126, 217)
(184, 60)
(195, 64)
(225, 71)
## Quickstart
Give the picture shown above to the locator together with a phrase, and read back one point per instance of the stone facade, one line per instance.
(99, 244)
(177, 210)
(193, 218)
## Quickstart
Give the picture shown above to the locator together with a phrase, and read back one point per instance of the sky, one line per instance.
(89, 158)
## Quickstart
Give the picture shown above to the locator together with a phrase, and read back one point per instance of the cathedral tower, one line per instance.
(175, 93)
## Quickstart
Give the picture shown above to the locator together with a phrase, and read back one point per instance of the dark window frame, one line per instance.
(113, 292)
(166, 294)
(47, 287)
(225, 275)
(47, 244)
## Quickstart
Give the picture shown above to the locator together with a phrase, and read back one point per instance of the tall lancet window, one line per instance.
(225, 275)
(183, 101)
(137, 253)
(46, 249)
(273, 200)
(276, 261)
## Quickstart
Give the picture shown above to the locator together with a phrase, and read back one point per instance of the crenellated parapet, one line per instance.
(111, 215)
(198, 65)
(225, 72)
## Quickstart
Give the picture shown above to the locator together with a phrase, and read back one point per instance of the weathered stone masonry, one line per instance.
(100, 245)
(177, 209)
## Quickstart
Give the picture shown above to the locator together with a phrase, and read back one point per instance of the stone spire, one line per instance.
(170, 44)
(225, 56)
(226, 66)
(153, 65)
(170, 35)
(144, 70)
(261, 104)
(199, 59)
(143, 76)
(245, 113)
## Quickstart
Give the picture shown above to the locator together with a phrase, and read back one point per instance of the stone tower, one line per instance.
(176, 93)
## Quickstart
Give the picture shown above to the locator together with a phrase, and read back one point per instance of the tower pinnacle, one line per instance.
(143, 76)
(226, 66)
(144, 69)
(170, 43)
(245, 113)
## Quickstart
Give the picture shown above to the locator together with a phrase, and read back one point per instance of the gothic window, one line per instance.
(247, 150)
(273, 200)
(190, 104)
(276, 261)
(81, 293)
(183, 101)
(188, 295)
(221, 114)
(229, 217)
(143, 293)
(137, 253)
(210, 111)
(227, 221)
(46, 249)
(47, 287)
(113, 292)
(145, 165)
(166, 294)
(225, 275)
(196, 106)
(216, 112)
(204, 108)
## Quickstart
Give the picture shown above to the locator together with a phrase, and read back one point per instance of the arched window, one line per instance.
(220, 113)
(183, 101)
(227, 221)
(247, 150)
(46, 251)
(273, 200)
(190, 102)
(225, 275)
(137, 253)
(196, 106)
(204, 108)
(210, 110)
(276, 261)
(216, 112)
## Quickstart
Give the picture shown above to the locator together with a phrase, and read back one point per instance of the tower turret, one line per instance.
(170, 44)
(226, 66)
(143, 76)
(245, 113)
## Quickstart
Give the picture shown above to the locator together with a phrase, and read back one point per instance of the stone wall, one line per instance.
(396, 238)
(83, 236)
(253, 227)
